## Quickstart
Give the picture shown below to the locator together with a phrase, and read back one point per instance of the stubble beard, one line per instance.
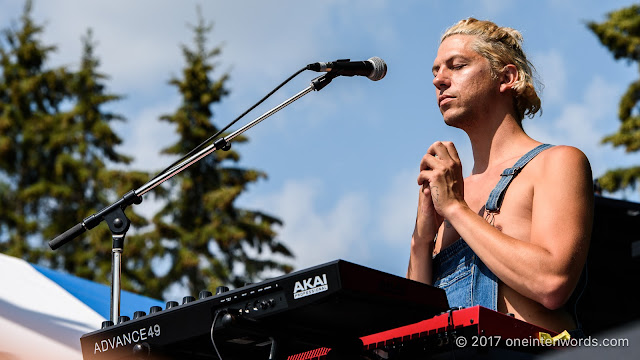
(460, 119)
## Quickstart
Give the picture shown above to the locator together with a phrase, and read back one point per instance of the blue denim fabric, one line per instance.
(458, 270)
(464, 277)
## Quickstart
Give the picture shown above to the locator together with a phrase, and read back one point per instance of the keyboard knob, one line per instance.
(141, 351)
(154, 309)
(106, 324)
(171, 304)
(204, 294)
(221, 289)
(188, 299)
(122, 319)
(139, 314)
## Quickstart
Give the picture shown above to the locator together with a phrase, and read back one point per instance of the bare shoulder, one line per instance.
(563, 181)
(563, 160)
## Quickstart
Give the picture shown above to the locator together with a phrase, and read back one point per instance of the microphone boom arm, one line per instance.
(225, 143)
(119, 223)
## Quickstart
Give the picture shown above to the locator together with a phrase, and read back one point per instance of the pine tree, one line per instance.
(206, 239)
(30, 101)
(85, 143)
(620, 33)
(54, 141)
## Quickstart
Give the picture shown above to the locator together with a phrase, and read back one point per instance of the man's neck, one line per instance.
(493, 143)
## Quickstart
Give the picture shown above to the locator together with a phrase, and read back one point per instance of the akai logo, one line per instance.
(310, 286)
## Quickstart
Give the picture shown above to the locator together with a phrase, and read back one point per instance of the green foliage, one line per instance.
(208, 241)
(620, 178)
(55, 140)
(56, 146)
(30, 98)
(620, 33)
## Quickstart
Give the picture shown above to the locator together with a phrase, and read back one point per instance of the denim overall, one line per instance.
(458, 270)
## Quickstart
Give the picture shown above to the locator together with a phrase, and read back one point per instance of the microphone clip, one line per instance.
(323, 80)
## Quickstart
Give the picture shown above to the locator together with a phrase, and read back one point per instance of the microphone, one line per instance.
(374, 68)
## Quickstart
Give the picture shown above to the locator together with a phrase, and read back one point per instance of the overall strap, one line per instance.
(497, 194)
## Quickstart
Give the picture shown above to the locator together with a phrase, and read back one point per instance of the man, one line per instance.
(523, 251)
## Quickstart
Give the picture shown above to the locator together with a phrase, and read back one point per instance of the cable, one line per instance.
(197, 148)
(215, 318)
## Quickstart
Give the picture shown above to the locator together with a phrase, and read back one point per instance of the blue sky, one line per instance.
(342, 162)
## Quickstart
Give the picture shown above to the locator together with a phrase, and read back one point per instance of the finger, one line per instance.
(440, 150)
(423, 179)
(451, 149)
(425, 189)
(428, 162)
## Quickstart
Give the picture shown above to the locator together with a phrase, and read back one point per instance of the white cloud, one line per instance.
(553, 74)
(131, 45)
(138, 42)
(603, 97)
(144, 136)
(398, 207)
(583, 124)
(317, 236)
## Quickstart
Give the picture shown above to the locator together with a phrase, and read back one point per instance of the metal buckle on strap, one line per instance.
(489, 216)
(513, 171)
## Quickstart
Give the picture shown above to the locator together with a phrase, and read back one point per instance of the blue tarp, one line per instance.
(98, 296)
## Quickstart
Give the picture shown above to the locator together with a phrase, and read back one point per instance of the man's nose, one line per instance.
(441, 79)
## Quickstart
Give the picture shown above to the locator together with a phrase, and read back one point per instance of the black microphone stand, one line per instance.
(119, 223)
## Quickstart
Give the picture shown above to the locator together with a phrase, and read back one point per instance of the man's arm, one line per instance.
(422, 241)
(547, 268)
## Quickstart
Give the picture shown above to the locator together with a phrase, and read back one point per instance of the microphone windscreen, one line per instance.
(379, 68)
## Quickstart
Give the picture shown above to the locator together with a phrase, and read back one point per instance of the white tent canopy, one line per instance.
(43, 313)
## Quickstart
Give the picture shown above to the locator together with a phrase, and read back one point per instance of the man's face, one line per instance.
(465, 88)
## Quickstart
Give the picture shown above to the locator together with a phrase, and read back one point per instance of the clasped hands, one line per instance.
(441, 180)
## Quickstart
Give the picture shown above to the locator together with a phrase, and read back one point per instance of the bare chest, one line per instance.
(514, 217)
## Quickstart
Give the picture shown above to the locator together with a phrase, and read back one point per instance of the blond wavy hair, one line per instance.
(503, 46)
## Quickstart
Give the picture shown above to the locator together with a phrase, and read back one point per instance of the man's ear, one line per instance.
(509, 76)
